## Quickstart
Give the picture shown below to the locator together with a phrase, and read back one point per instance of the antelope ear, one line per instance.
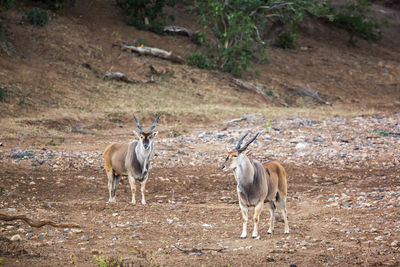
(154, 134)
(137, 135)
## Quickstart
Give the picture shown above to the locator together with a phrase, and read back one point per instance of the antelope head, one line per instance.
(232, 160)
(146, 138)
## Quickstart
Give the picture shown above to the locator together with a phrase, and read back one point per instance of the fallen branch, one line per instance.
(152, 51)
(119, 76)
(313, 94)
(245, 117)
(199, 250)
(38, 224)
(193, 35)
(252, 87)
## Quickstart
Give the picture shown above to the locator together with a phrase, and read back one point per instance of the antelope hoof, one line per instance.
(112, 200)
(287, 231)
(144, 202)
(256, 237)
(269, 231)
(133, 202)
(243, 236)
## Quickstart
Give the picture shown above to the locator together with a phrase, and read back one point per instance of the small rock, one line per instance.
(29, 235)
(41, 236)
(85, 238)
(395, 244)
(15, 237)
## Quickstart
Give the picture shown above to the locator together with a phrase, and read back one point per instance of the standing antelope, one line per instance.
(131, 159)
(255, 184)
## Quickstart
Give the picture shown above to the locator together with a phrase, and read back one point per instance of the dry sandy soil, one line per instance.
(58, 114)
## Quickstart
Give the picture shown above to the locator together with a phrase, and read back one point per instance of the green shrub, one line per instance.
(36, 16)
(6, 4)
(287, 40)
(145, 15)
(354, 17)
(201, 61)
(55, 4)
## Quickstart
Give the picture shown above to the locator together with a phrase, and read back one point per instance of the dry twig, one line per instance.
(33, 223)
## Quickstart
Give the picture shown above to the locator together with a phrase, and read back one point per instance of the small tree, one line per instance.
(236, 39)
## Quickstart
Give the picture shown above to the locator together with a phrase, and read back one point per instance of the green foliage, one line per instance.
(354, 17)
(287, 40)
(2, 191)
(55, 4)
(145, 15)
(6, 4)
(201, 61)
(36, 16)
(103, 261)
(237, 28)
(235, 42)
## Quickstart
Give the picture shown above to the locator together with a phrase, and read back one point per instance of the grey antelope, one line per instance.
(131, 159)
(257, 183)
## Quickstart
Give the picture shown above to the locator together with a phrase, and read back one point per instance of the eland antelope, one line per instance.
(131, 159)
(256, 184)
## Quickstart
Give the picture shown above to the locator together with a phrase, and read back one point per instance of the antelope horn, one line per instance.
(154, 124)
(240, 142)
(138, 125)
(248, 143)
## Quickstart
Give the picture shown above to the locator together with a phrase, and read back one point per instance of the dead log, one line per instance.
(152, 51)
(193, 35)
(33, 223)
(119, 76)
(313, 94)
(251, 87)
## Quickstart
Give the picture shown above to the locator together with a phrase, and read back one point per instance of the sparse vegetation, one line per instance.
(103, 261)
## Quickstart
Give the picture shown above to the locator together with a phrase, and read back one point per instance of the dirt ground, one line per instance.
(339, 215)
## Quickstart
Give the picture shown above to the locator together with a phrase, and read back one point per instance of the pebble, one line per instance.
(85, 238)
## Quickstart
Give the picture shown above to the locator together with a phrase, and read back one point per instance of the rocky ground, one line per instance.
(343, 204)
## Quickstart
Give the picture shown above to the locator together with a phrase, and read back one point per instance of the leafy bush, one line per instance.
(6, 4)
(201, 61)
(354, 18)
(36, 16)
(145, 15)
(287, 40)
(55, 4)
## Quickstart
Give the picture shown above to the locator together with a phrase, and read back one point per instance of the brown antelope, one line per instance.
(131, 159)
(257, 183)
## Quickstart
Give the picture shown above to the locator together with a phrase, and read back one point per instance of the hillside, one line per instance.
(54, 73)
